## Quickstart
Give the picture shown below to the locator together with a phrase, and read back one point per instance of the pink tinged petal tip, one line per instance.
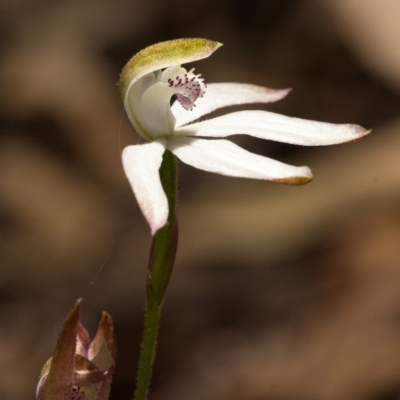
(219, 95)
(141, 165)
(280, 128)
(226, 158)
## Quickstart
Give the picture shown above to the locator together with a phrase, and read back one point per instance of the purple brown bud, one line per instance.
(80, 369)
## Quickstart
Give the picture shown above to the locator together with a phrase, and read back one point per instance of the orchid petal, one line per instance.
(219, 95)
(271, 126)
(61, 369)
(226, 158)
(102, 350)
(141, 164)
(82, 340)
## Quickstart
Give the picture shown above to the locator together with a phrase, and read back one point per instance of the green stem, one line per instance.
(162, 258)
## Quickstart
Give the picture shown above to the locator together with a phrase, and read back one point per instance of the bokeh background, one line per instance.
(279, 292)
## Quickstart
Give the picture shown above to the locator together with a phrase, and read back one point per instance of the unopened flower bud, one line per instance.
(81, 368)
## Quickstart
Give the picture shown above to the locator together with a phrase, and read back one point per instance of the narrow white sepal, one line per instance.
(219, 95)
(271, 126)
(226, 158)
(141, 165)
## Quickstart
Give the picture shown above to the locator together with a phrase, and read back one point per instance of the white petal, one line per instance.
(220, 95)
(267, 125)
(141, 165)
(226, 158)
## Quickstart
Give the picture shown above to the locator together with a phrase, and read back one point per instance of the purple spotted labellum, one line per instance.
(80, 369)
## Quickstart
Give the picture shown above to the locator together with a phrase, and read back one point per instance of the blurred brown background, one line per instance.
(279, 292)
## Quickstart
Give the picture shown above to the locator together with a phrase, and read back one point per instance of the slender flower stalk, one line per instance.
(162, 258)
(150, 80)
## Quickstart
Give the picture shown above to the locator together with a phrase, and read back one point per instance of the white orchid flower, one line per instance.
(154, 76)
